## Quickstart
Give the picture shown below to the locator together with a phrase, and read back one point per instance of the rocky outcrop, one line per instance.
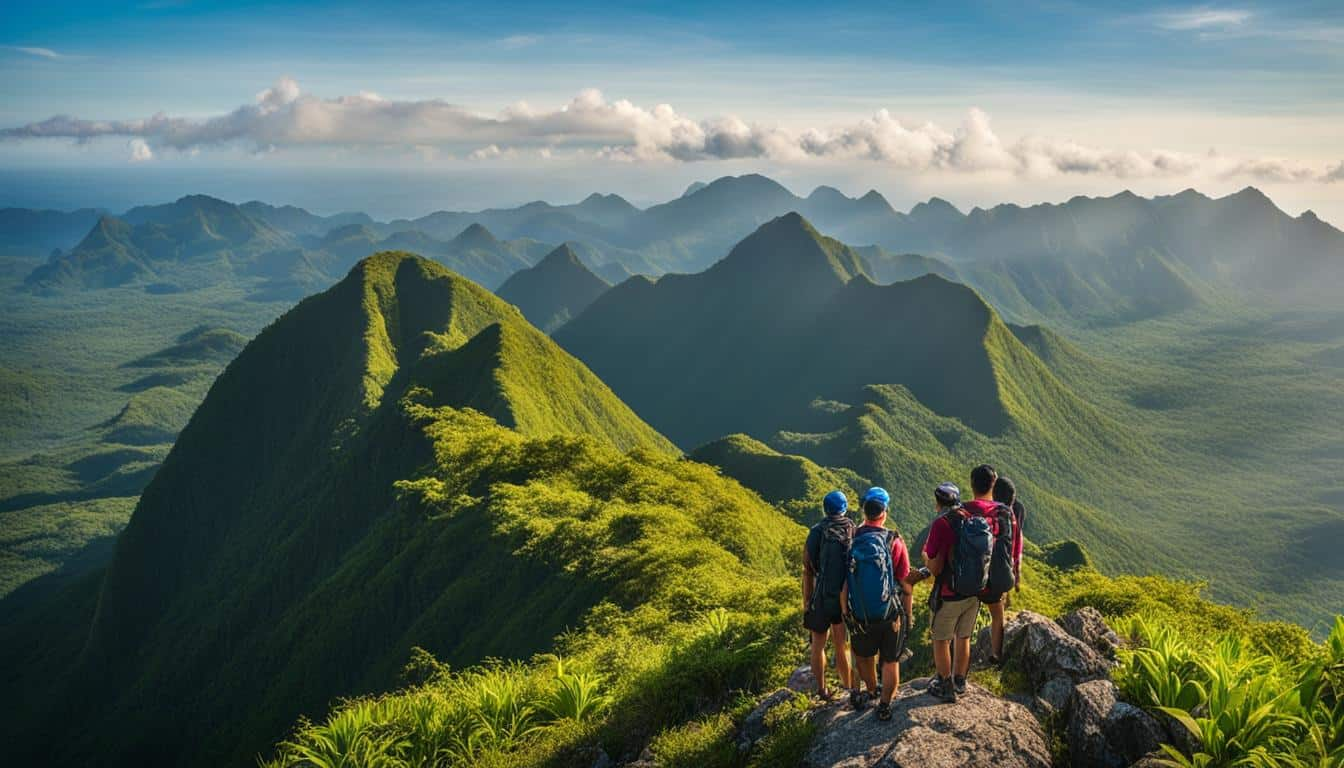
(1087, 625)
(1106, 732)
(979, 730)
(1043, 651)
(753, 726)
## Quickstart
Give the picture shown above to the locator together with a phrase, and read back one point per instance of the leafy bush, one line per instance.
(1245, 706)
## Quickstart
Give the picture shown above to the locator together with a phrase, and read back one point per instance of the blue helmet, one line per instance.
(835, 503)
(877, 494)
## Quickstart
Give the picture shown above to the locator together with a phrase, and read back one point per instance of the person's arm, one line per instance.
(844, 598)
(939, 536)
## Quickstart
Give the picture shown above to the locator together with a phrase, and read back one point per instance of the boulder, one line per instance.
(1087, 625)
(979, 730)
(1056, 693)
(1043, 651)
(802, 681)
(753, 726)
(1106, 732)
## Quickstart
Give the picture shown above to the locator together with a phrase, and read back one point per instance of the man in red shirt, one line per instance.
(954, 617)
(882, 637)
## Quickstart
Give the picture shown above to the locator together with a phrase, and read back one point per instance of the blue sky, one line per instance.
(982, 102)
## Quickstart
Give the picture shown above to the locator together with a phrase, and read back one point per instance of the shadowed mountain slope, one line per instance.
(283, 487)
(558, 288)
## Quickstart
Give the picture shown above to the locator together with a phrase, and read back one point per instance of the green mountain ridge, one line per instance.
(313, 414)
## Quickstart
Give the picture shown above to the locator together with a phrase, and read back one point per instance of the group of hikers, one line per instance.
(858, 586)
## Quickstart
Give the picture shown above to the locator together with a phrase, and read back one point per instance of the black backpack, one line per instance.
(1002, 575)
(972, 551)
(832, 565)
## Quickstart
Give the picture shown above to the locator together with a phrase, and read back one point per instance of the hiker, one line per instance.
(875, 591)
(1005, 498)
(959, 554)
(825, 562)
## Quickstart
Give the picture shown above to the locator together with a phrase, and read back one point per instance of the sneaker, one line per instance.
(959, 683)
(995, 662)
(826, 696)
(942, 688)
(884, 712)
(859, 699)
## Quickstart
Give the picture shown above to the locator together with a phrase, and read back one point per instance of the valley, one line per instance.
(234, 437)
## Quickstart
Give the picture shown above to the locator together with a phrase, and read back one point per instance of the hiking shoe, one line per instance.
(995, 662)
(884, 712)
(959, 683)
(859, 699)
(942, 688)
(826, 696)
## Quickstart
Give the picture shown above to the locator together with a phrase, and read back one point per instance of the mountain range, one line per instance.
(406, 459)
(1086, 260)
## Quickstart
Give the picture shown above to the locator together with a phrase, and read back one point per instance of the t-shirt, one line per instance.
(900, 557)
(941, 538)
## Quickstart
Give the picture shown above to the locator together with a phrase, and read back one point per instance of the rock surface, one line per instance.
(1041, 649)
(802, 681)
(753, 726)
(1106, 732)
(1086, 624)
(979, 730)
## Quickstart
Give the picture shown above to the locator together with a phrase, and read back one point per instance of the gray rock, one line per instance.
(603, 760)
(1057, 693)
(1106, 732)
(1152, 760)
(982, 648)
(1042, 650)
(802, 681)
(979, 730)
(753, 726)
(1087, 625)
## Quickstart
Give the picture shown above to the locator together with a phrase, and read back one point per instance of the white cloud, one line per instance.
(140, 151)
(1202, 18)
(44, 53)
(283, 117)
(1335, 173)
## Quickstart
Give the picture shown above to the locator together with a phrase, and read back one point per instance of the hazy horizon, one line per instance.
(471, 107)
(387, 195)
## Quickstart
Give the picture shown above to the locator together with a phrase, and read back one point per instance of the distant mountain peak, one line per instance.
(874, 200)
(695, 186)
(935, 209)
(561, 254)
(475, 236)
(825, 192)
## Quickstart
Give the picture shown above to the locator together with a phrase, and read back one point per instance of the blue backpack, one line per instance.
(972, 550)
(873, 593)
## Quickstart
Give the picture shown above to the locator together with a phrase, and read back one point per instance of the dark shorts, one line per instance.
(817, 621)
(991, 598)
(869, 640)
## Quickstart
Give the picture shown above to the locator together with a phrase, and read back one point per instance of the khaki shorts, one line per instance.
(956, 619)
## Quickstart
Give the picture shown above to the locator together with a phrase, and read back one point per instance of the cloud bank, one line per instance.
(283, 117)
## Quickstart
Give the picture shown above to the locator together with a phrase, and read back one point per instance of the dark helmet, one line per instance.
(947, 495)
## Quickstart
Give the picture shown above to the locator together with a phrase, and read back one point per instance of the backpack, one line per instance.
(972, 550)
(1002, 574)
(873, 593)
(832, 564)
